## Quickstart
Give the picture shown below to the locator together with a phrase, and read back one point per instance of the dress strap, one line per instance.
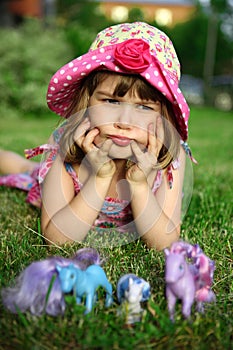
(33, 152)
(44, 165)
(188, 151)
(169, 176)
(174, 165)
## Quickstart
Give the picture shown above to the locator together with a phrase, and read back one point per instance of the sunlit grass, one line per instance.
(208, 222)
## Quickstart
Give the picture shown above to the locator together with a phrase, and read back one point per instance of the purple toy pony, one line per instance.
(188, 282)
(37, 288)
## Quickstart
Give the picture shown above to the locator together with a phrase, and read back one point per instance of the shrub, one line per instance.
(29, 55)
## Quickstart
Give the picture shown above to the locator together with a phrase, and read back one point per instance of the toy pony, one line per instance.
(131, 291)
(188, 282)
(38, 289)
(84, 283)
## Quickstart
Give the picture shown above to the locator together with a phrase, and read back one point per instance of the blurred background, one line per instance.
(38, 36)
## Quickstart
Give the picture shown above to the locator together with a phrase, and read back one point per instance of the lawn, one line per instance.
(207, 222)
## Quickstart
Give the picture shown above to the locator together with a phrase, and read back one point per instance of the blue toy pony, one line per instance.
(84, 283)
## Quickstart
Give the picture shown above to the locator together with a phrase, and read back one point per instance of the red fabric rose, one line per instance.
(133, 55)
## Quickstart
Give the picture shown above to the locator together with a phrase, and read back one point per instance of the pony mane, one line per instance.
(37, 288)
(85, 257)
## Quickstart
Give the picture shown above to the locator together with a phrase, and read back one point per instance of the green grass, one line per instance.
(208, 222)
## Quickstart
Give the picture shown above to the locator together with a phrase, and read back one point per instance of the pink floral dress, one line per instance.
(115, 213)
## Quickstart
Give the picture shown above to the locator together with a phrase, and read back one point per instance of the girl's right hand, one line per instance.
(96, 158)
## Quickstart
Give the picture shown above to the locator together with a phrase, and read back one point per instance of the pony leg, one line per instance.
(78, 300)
(89, 302)
(186, 307)
(171, 302)
(200, 307)
(109, 299)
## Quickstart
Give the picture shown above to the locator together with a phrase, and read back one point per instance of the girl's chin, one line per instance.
(120, 152)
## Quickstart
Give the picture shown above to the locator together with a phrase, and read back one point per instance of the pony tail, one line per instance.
(36, 289)
(85, 257)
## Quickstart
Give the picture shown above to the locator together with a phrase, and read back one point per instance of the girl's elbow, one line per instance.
(159, 243)
(56, 240)
(55, 237)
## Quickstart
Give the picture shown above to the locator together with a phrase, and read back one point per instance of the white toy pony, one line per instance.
(131, 291)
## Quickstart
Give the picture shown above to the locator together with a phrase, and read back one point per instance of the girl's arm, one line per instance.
(157, 216)
(66, 216)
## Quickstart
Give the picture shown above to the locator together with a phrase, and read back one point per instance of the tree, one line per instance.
(81, 21)
(190, 41)
(213, 51)
(135, 14)
(82, 12)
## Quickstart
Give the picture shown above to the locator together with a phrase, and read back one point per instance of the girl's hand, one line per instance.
(96, 158)
(147, 161)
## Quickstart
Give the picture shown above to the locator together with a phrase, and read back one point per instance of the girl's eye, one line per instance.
(145, 108)
(111, 101)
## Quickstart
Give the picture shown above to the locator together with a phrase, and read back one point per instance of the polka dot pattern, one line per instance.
(163, 72)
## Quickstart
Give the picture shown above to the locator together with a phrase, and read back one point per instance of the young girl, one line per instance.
(117, 161)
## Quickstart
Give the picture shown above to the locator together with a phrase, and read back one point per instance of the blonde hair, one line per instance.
(133, 84)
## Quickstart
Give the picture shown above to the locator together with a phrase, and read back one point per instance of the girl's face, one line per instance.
(122, 119)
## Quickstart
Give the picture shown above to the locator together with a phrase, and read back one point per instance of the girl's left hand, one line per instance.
(147, 161)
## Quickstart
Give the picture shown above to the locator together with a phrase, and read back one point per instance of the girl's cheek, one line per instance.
(98, 140)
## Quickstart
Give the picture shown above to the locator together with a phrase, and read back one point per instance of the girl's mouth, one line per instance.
(120, 141)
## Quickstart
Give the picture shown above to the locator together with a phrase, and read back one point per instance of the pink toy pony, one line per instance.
(188, 282)
(38, 289)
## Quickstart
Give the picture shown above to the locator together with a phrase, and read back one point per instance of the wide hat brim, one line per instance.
(66, 81)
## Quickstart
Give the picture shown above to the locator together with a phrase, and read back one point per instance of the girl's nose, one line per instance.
(125, 117)
(119, 125)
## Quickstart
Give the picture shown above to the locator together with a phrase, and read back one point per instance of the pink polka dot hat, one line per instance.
(130, 48)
